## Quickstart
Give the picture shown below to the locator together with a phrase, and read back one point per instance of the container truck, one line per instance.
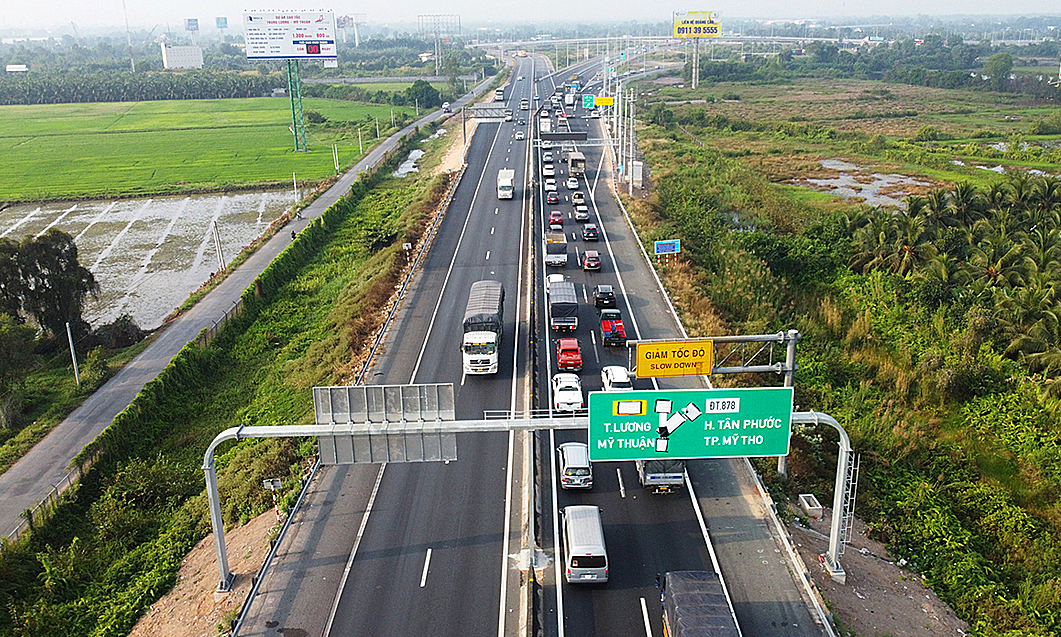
(506, 183)
(695, 604)
(576, 163)
(661, 476)
(556, 249)
(563, 306)
(483, 326)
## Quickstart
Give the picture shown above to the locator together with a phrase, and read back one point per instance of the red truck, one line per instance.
(611, 327)
(568, 355)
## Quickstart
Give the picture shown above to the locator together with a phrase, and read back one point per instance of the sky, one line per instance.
(147, 14)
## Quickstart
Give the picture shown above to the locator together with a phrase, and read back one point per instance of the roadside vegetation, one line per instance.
(115, 543)
(76, 151)
(931, 331)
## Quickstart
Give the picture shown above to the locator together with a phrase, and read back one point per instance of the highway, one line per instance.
(646, 534)
(434, 549)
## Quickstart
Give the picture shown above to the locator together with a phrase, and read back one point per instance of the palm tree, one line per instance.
(911, 244)
(997, 196)
(995, 261)
(1020, 187)
(939, 206)
(966, 202)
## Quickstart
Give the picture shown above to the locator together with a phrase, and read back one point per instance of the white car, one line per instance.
(615, 378)
(572, 183)
(520, 135)
(567, 392)
(546, 144)
(548, 170)
(547, 157)
(550, 185)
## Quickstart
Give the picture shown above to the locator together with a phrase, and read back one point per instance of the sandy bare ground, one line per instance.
(190, 610)
(880, 598)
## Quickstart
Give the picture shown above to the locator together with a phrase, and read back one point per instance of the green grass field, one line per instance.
(100, 150)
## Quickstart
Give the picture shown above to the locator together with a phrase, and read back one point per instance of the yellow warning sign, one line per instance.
(675, 358)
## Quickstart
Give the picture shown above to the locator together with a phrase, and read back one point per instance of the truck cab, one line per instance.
(568, 355)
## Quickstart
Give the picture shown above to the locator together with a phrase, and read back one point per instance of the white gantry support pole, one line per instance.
(843, 461)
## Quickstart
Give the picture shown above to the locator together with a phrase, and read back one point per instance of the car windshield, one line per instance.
(578, 471)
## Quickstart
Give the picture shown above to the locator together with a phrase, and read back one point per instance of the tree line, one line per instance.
(61, 88)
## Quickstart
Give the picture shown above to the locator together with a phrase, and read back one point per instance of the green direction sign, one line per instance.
(690, 423)
(588, 100)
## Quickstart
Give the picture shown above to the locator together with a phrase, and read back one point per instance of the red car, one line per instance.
(591, 260)
(556, 217)
(568, 355)
(552, 198)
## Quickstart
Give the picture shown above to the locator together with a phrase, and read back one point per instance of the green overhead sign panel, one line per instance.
(588, 100)
(690, 423)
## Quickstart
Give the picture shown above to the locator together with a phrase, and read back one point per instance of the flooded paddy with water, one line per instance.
(148, 255)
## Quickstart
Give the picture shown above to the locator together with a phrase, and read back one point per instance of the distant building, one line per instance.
(17, 68)
(181, 57)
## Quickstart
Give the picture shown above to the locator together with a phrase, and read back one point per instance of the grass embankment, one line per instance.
(927, 334)
(50, 393)
(116, 542)
(120, 149)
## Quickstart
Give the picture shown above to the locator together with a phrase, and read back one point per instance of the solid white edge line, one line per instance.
(644, 614)
(557, 552)
(505, 544)
(353, 551)
(592, 188)
(710, 548)
(427, 563)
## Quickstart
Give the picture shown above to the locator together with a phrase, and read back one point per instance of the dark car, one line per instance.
(590, 232)
(604, 296)
(552, 198)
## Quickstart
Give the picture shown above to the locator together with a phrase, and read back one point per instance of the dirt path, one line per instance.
(190, 610)
(880, 597)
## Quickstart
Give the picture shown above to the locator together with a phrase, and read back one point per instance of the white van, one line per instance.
(585, 558)
(446, 108)
(576, 472)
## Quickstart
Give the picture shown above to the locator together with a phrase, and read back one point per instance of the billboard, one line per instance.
(221, 23)
(289, 35)
(697, 24)
(191, 24)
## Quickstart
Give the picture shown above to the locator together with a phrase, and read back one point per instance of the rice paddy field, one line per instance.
(78, 151)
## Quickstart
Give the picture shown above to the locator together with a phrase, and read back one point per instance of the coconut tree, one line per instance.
(996, 260)
(911, 244)
(966, 203)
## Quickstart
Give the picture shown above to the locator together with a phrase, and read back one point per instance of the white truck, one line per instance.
(661, 476)
(576, 162)
(556, 249)
(569, 99)
(483, 326)
(506, 183)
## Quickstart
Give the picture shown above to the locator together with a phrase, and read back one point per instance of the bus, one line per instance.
(499, 95)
